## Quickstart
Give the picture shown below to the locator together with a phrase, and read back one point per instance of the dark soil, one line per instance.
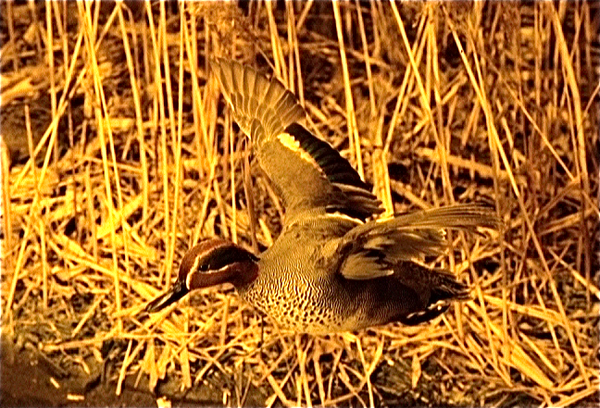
(26, 381)
(29, 379)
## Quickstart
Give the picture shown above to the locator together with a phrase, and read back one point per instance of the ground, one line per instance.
(44, 386)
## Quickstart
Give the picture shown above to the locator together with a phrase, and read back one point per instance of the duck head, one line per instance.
(211, 262)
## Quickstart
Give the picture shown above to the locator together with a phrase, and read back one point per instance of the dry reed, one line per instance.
(135, 158)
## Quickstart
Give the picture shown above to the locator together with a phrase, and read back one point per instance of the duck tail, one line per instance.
(444, 289)
(445, 286)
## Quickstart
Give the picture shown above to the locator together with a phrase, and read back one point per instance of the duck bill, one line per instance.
(176, 292)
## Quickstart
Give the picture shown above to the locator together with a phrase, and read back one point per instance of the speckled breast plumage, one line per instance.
(292, 293)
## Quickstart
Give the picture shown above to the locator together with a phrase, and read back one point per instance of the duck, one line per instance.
(334, 267)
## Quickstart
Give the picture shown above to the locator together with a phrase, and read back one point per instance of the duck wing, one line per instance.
(372, 250)
(307, 173)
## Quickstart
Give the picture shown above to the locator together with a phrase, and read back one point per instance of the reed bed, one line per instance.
(119, 154)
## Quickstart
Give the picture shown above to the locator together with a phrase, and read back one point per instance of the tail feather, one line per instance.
(444, 288)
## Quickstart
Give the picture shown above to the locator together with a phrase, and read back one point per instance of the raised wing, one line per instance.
(262, 108)
(373, 249)
(308, 174)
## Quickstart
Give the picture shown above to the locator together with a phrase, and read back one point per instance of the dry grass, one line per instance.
(432, 103)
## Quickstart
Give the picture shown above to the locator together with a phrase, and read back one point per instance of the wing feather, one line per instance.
(408, 237)
(307, 172)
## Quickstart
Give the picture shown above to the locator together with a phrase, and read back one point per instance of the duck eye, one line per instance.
(204, 267)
